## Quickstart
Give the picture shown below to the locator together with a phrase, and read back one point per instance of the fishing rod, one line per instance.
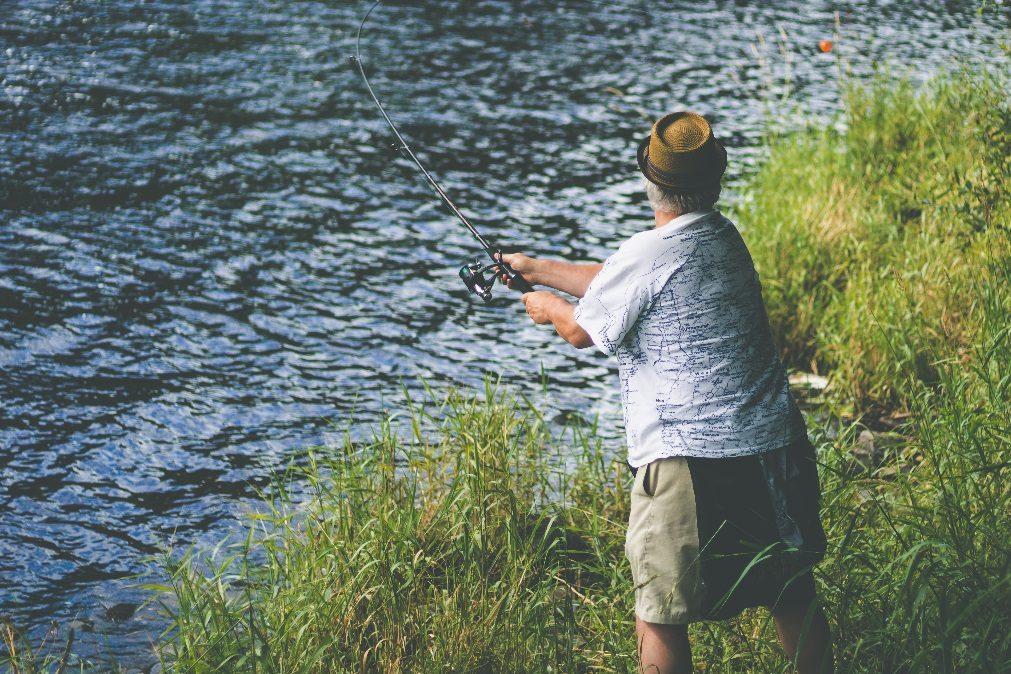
(473, 275)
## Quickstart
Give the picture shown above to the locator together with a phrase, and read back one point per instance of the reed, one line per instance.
(53, 654)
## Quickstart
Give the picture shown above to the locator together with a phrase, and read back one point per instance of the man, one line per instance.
(725, 498)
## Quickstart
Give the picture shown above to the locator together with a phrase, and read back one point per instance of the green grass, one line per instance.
(873, 243)
(482, 542)
(53, 654)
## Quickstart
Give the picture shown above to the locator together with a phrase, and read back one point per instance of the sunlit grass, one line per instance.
(872, 242)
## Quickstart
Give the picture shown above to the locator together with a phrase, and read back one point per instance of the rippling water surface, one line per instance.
(211, 256)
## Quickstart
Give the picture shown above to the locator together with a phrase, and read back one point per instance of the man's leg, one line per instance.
(803, 629)
(663, 649)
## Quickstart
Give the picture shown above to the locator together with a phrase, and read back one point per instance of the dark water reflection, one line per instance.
(210, 253)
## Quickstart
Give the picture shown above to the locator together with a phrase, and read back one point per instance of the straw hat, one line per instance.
(682, 153)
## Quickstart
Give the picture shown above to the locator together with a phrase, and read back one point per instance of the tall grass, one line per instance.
(461, 550)
(54, 653)
(873, 242)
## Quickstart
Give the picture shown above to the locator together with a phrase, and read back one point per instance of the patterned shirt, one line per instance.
(681, 307)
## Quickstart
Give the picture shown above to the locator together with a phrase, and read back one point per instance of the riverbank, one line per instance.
(884, 252)
(489, 542)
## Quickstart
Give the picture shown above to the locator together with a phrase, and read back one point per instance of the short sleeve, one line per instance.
(619, 293)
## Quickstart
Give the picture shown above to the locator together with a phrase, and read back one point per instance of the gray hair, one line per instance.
(670, 201)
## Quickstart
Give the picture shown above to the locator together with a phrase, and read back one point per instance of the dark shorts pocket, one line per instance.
(758, 525)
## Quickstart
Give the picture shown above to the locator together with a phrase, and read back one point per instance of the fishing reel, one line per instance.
(474, 278)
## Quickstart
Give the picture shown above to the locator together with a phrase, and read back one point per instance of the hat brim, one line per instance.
(658, 177)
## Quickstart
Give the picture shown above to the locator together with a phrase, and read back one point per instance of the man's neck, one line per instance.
(663, 217)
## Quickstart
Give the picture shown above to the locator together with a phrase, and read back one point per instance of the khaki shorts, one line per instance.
(708, 538)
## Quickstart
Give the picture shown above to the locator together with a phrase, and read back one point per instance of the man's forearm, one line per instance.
(567, 277)
(562, 315)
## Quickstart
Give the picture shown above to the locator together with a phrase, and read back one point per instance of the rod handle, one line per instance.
(519, 283)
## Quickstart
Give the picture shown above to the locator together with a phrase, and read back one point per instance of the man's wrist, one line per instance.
(561, 309)
(563, 319)
(534, 275)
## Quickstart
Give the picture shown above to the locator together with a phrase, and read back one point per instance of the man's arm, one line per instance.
(544, 307)
(568, 277)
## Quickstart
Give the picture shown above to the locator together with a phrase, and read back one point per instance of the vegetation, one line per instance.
(450, 553)
(53, 654)
(875, 243)
(885, 254)
(483, 543)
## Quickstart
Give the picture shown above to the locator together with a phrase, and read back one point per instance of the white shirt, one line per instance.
(681, 307)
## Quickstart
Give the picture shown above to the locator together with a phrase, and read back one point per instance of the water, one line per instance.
(211, 256)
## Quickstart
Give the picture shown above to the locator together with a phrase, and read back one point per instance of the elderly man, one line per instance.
(724, 505)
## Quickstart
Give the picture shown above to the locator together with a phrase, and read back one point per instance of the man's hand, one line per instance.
(544, 307)
(539, 305)
(523, 265)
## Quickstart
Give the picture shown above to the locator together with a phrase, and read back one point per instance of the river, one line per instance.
(211, 255)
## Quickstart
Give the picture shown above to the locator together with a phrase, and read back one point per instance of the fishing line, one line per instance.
(473, 275)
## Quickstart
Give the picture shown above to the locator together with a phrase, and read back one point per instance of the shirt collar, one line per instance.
(682, 221)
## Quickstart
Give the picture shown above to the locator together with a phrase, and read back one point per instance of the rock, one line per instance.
(82, 625)
(895, 421)
(120, 612)
(891, 472)
(872, 451)
(808, 380)
(865, 451)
